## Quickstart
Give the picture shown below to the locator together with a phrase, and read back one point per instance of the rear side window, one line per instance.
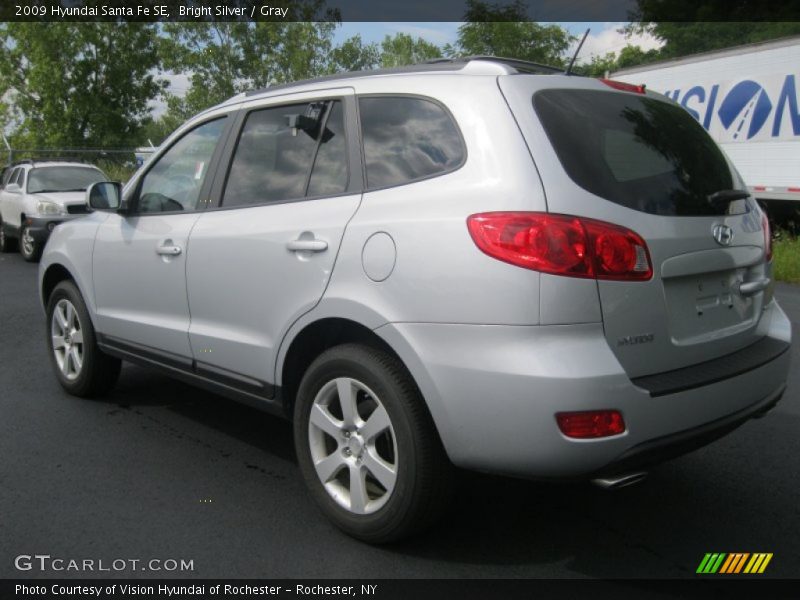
(639, 152)
(406, 139)
(275, 162)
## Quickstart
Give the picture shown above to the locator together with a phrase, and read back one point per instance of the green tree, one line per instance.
(502, 30)
(629, 56)
(78, 84)
(402, 49)
(224, 58)
(688, 26)
(354, 55)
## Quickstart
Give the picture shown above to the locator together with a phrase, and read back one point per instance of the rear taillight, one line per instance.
(625, 87)
(591, 424)
(767, 236)
(562, 245)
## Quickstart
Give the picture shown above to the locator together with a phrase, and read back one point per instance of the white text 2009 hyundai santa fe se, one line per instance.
(481, 263)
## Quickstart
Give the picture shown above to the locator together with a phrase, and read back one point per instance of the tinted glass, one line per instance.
(329, 175)
(20, 178)
(175, 181)
(7, 172)
(12, 176)
(407, 139)
(639, 152)
(273, 160)
(62, 179)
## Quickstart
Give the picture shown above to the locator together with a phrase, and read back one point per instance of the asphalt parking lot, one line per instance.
(162, 470)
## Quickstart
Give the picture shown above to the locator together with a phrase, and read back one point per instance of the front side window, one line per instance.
(12, 178)
(406, 139)
(287, 153)
(175, 180)
(62, 179)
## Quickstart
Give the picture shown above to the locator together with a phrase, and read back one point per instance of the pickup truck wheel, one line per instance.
(28, 247)
(81, 367)
(7, 244)
(367, 446)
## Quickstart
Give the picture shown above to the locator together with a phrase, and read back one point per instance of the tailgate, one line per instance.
(642, 162)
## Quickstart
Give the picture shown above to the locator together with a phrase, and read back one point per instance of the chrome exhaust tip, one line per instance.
(619, 481)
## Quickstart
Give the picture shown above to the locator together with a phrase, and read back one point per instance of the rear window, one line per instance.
(639, 152)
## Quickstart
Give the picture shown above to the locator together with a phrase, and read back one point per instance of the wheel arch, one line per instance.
(312, 340)
(52, 276)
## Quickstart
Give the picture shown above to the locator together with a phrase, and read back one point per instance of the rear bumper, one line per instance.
(493, 392)
(670, 446)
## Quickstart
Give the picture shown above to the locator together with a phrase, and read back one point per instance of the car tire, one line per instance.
(29, 248)
(7, 244)
(387, 440)
(81, 367)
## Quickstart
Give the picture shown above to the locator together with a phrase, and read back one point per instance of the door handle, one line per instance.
(311, 245)
(169, 250)
(752, 287)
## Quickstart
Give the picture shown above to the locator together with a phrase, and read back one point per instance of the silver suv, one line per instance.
(481, 263)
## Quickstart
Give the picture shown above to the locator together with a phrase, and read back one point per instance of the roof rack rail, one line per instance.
(436, 64)
(519, 65)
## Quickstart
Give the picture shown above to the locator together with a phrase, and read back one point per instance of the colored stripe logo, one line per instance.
(734, 563)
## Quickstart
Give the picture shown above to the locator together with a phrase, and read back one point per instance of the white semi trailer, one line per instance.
(748, 99)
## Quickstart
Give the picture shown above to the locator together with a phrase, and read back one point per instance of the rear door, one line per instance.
(640, 161)
(264, 255)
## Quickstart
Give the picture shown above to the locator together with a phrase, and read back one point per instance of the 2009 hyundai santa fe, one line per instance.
(481, 263)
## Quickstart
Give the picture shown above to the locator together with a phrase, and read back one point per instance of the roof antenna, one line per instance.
(577, 50)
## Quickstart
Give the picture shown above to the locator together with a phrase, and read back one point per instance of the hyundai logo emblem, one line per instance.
(723, 234)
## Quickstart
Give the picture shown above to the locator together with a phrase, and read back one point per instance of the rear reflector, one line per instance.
(562, 245)
(591, 424)
(625, 87)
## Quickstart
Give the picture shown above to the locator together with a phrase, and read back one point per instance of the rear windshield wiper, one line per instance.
(725, 197)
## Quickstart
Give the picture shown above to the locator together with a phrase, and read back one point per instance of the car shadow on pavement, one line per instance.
(720, 499)
(138, 388)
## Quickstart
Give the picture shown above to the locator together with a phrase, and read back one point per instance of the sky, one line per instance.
(603, 38)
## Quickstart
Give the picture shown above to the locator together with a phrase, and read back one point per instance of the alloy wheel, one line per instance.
(353, 445)
(27, 242)
(67, 335)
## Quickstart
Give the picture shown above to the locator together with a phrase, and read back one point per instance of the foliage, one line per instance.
(224, 58)
(354, 55)
(78, 84)
(402, 49)
(786, 258)
(502, 30)
(629, 56)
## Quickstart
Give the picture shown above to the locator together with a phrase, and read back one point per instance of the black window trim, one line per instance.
(418, 179)
(354, 186)
(202, 202)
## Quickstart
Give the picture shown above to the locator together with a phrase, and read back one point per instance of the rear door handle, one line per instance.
(312, 245)
(169, 250)
(753, 287)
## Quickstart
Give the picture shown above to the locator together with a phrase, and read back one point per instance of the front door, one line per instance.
(139, 260)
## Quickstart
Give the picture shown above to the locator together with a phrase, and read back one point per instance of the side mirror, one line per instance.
(104, 195)
(13, 188)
